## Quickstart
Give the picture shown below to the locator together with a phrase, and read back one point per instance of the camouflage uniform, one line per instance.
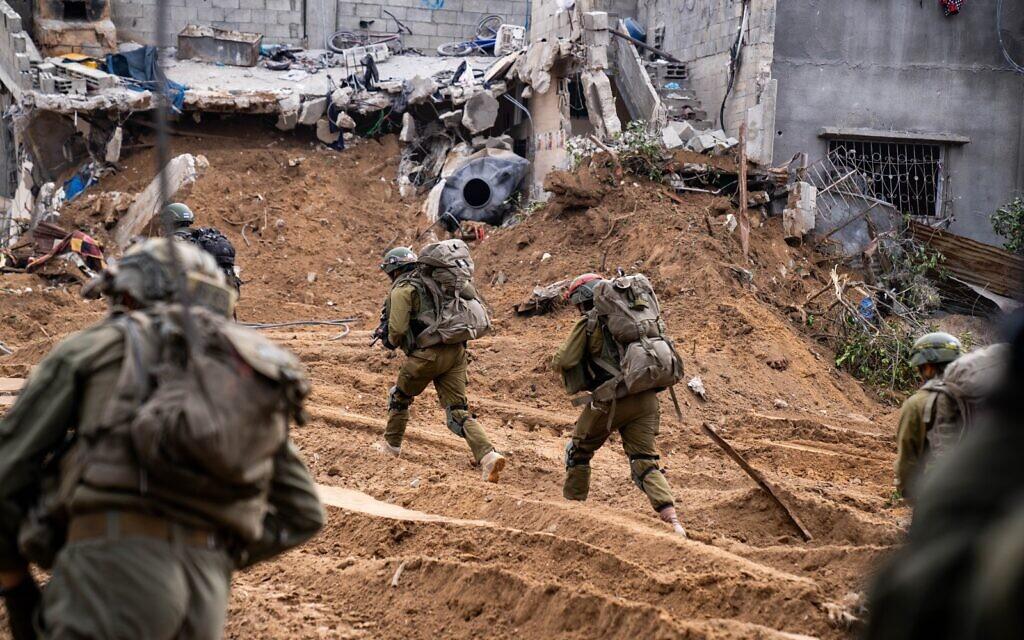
(445, 365)
(637, 419)
(126, 564)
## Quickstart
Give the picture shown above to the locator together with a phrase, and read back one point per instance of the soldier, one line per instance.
(589, 360)
(931, 354)
(208, 239)
(142, 483)
(411, 317)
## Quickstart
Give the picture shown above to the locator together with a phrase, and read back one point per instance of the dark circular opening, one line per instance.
(476, 193)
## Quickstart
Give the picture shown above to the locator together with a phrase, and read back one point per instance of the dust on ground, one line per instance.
(515, 559)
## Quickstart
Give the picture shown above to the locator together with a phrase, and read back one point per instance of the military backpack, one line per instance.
(960, 394)
(459, 315)
(640, 357)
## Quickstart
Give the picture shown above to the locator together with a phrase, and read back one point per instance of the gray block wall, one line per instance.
(309, 22)
(701, 33)
(903, 66)
(278, 20)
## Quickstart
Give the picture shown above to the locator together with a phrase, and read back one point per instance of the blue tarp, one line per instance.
(140, 65)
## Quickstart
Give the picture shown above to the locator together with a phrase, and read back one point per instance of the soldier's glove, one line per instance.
(22, 601)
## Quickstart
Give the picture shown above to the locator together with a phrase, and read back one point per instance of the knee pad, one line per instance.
(397, 400)
(574, 457)
(577, 482)
(456, 416)
(641, 466)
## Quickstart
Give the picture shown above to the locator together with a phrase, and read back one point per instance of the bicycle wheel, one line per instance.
(456, 49)
(342, 40)
(488, 27)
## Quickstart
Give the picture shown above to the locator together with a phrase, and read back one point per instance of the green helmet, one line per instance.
(145, 275)
(398, 259)
(935, 348)
(179, 215)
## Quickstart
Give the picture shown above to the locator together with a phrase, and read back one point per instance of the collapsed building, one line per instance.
(481, 133)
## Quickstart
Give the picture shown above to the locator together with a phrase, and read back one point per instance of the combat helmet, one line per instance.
(178, 214)
(581, 290)
(398, 259)
(145, 275)
(935, 348)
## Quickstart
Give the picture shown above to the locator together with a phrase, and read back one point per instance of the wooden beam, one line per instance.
(758, 478)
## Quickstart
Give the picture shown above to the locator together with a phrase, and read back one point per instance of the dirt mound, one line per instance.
(541, 567)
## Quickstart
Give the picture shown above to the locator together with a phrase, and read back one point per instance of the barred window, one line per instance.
(907, 175)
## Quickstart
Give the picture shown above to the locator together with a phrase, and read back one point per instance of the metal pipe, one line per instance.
(644, 45)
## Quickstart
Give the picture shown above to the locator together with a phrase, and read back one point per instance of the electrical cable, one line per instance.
(299, 323)
(735, 60)
(1002, 45)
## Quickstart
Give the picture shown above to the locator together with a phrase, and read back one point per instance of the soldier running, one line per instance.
(593, 360)
(430, 313)
(142, 483)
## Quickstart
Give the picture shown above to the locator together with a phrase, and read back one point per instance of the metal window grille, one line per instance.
(907, 175)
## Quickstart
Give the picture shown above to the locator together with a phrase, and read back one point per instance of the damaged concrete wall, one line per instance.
(280, 21)
(701, 33)
(903, 66)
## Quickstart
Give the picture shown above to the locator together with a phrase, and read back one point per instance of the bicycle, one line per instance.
(340, 41)
(482, 43)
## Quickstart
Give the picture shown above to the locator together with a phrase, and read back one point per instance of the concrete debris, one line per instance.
(288, 111)
(480, 112)
(408, 133)
(535, 67)
(684, 130)
(181, 173)
(342, 97)
(714, 142)
(113, 151)
(798, 216)
(600, 99)
(432, 205)
(312, 110)
(420, 89)
(696, 385)
(344, 121)
(451, 119)
(670, 138)
(324, 133)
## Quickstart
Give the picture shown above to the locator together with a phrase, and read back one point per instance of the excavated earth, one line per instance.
(515, 559)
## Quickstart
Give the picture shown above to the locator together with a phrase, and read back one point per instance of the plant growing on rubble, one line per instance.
(907, 268)
(640, 151)
(880, 359)
(1008, 221)
(578, 148)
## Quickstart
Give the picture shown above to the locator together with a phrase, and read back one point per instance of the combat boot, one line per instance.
(577, 482)
(384, 447)
(668, 515)
(491, 466)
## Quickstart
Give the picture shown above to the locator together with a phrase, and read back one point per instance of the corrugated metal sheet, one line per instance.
(995, 269)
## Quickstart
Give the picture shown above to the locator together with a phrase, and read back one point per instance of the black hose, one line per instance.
(736, 58)
(344, 322)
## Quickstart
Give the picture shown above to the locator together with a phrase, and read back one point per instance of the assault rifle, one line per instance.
(381, 332)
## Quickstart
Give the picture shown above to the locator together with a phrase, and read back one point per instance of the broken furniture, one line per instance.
(219, 46)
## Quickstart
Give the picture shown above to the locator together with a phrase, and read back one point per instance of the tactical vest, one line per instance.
(205, 444)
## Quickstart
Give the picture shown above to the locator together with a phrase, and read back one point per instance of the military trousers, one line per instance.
(637, 418)
(137, 587)
(445, 366)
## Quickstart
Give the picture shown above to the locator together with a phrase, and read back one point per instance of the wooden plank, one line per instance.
(744, 220)
(11, 385)
(758, 478)
(980, 264)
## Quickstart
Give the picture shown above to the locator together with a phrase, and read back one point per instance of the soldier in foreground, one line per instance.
(618, 353)
(961, 574)
(148, 458)
(430, 314)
